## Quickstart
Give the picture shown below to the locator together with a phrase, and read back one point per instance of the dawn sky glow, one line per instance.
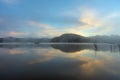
(48, 18)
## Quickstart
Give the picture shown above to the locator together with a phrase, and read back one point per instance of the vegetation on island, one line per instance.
(70, 38)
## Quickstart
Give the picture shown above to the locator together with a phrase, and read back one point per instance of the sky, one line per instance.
(49, 18)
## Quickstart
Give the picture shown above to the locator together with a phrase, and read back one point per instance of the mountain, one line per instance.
(106, 39)
(13, 39)
(69, 37)
(74, 38)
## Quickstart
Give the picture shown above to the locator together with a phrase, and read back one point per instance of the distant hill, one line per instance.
(69, 37)
(74, 38)
(66, 38)
(14, 39)
(105, 39)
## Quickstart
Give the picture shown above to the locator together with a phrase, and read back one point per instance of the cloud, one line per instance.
(40, 25)
(90, 19)
(44, 30)
(88, 22)
(11, 27)
(102, 31)
(94, 22)
(14, 34)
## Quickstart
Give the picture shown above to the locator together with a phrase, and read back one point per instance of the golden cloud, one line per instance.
(13, 33)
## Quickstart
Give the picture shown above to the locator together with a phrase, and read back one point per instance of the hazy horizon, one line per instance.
(113, 35)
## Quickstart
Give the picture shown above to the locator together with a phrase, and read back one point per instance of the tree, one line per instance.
(69, 37)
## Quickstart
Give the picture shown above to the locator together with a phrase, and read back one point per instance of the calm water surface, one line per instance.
(60, 62)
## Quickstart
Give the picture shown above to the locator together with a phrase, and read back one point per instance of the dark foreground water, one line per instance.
(60, 62)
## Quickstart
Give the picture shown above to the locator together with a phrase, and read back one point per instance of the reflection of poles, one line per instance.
(119, 48)
(111, 48)
(114, 47)
(95, 46)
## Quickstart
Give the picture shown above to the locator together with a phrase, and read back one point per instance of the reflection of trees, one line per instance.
(76, 47)
(10, 46)
(119, 47)
(67, 47)
(71, 47)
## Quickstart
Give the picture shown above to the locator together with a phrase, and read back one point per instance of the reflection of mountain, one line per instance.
(78, 47)
(71, 47)
(68, 47)
(24, 45)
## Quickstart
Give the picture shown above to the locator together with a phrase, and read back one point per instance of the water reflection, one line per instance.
(51, 62)
(71, 47)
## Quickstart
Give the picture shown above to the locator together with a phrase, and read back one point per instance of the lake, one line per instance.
(85, 61)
